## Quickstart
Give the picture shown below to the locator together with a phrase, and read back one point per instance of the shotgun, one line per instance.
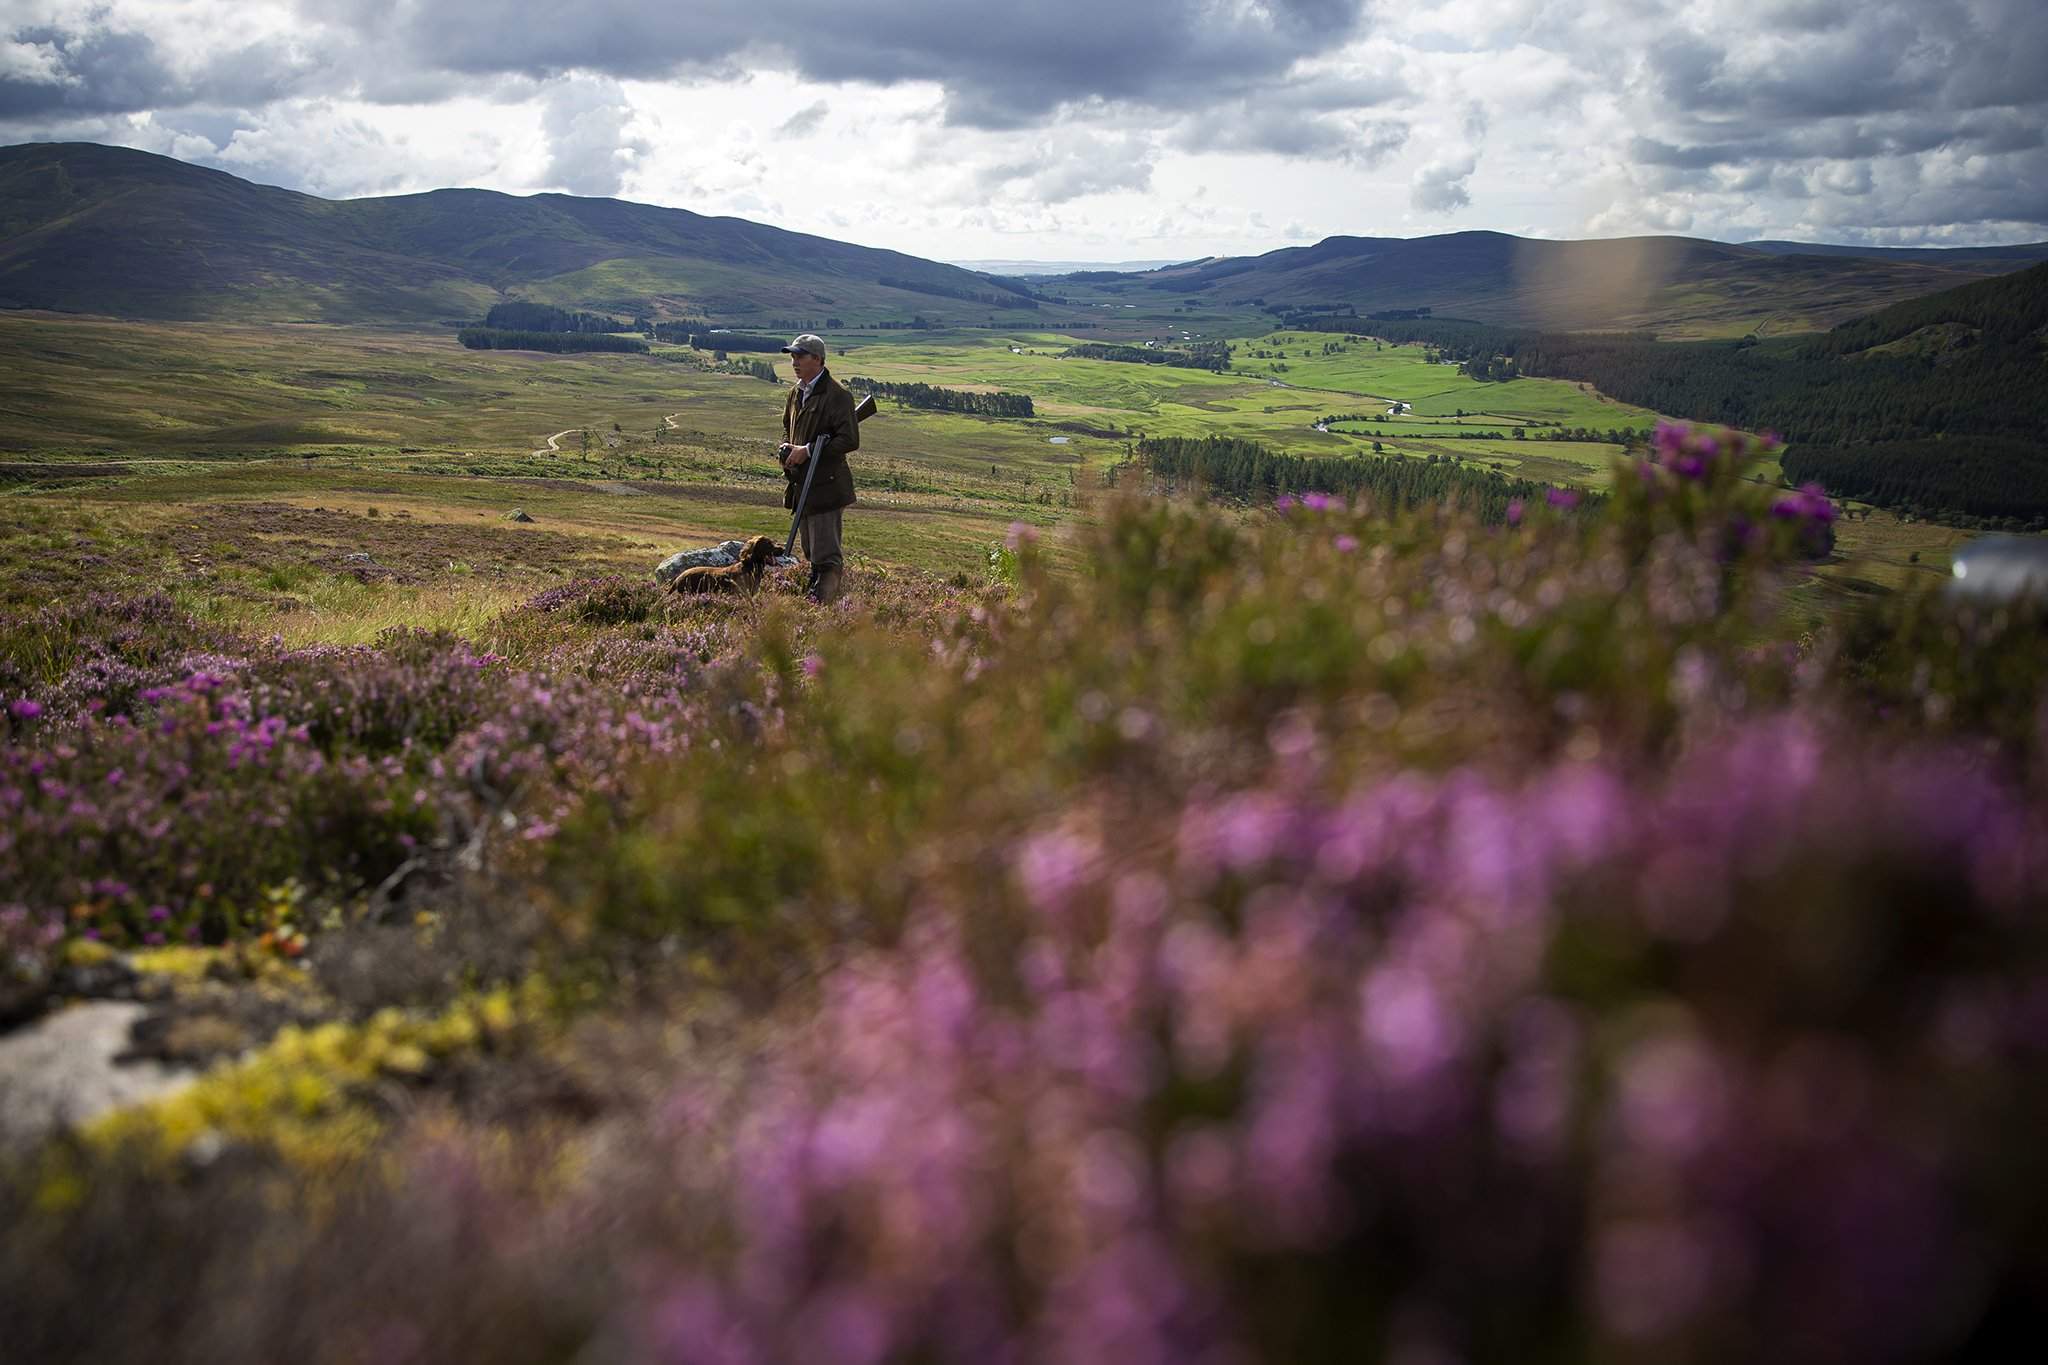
(862, 410)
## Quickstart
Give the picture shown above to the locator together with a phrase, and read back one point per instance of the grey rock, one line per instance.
(712, 557)
(519, 515)
(65, 1069)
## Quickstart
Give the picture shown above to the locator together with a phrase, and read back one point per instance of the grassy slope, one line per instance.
(107, 230)
(142, 419)
(1677, 287)
(96, 229)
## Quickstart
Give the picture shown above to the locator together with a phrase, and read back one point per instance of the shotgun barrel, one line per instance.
(862, 410)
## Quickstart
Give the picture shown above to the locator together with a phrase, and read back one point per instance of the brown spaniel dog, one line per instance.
(745, 576)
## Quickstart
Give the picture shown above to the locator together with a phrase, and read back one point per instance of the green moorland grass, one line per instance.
(1258, 399)
(139, 420)
(92, 388)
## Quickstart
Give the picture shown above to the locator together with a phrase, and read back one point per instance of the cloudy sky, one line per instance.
(1096, 129)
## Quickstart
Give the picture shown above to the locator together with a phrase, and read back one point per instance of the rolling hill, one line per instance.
(1989, 260)
(93, 229)
(1674, 286)
(1933, 406)
(107, 230)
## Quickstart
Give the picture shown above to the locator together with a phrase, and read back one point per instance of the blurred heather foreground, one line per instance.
(1300, 933)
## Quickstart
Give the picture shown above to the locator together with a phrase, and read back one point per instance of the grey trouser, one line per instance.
(819, 534)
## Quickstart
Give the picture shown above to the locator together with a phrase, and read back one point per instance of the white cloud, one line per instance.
(1069, 128)
(1441, 186)
(593, 138)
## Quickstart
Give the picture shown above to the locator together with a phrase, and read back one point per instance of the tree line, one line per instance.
(1012, 299)
(1614, 436)
(932, 398)
(1975, 480)
(502, 339)
(1956, 375)
(1202, 355)
(1489, 369)
(520, 316)
(676, 332)
(1246, 469)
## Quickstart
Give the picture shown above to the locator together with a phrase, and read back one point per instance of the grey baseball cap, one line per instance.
(809, 344)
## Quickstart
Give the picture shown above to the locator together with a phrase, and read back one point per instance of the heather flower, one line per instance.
(1333, 975)
(24, 709)
(1670, 440)
(1051, 865)
(1563, 499)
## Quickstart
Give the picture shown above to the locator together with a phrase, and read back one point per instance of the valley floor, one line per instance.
(635, 456)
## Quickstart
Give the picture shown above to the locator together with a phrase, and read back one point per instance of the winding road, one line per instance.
(554, 442)
(553, 448)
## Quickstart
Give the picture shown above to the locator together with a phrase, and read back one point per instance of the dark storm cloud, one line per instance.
(1002, 66)
(1885, 114)
(1903, 77)
(87, 73)
(1854, 119)
(105, 70)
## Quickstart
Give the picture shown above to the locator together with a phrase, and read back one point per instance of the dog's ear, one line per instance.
(761, 550)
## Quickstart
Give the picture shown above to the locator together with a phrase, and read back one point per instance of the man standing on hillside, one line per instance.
(818, 418)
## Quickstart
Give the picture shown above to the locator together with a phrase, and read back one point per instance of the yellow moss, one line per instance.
(300, 1094)
(183, 962)
(407, 1059)
(85, 952)
(497, 1012)
(62, 1188)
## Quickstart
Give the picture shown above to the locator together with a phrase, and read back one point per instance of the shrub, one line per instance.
(606, 601)
(1308, 934)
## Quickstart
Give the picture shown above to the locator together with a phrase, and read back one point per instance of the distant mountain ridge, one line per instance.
(1036, 269)
(1992, 259)
(109, 230)
(1673, 285)
(89, 228)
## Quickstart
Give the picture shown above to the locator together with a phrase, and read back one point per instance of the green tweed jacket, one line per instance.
(828, 414)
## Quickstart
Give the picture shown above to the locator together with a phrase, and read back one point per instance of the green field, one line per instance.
(185, 391)
(658, 452)
(1280, 401)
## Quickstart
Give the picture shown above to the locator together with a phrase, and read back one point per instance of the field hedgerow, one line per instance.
(1301, 935)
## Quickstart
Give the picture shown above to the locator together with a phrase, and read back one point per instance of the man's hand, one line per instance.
(796, 455)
